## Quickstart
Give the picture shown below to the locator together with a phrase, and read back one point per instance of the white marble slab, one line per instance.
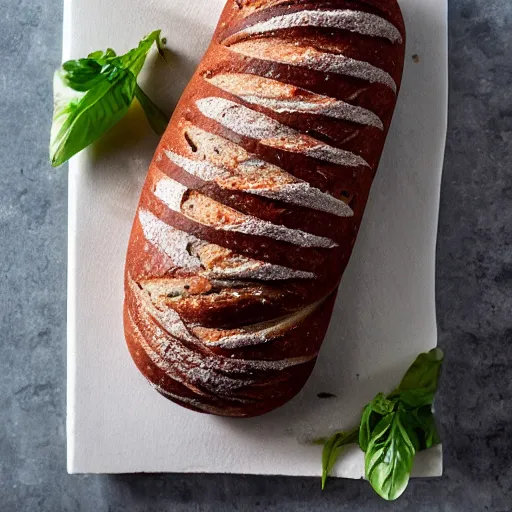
(385, 312)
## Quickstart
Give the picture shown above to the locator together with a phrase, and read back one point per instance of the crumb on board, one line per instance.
(416, 58)
(326, 395)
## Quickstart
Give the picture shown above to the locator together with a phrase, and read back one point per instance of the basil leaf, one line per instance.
(372, 413)
(102, 56)
(415, 398)
(390, 455)
(368, 423)
(382, 405)
(82, 74)
(95, 55)
(332, 450)
(80, 120)
(426, 428)
(134, 59)
(423, 373)
(157, 119)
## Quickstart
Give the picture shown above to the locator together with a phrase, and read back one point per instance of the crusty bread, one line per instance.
(254, 198)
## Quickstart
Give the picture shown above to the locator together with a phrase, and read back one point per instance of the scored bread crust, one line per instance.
(254, 198)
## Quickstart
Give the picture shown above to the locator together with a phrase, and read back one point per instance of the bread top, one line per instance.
(256, 192)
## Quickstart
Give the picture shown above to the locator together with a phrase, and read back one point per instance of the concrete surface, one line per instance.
(474, 298)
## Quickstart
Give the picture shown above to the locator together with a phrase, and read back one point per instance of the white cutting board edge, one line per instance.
(126, 456)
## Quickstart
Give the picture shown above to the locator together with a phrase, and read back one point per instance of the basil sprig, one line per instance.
(333, 448)
(91, 95)
(393, 429)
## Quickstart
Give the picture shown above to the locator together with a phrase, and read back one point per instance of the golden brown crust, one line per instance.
(254, 198)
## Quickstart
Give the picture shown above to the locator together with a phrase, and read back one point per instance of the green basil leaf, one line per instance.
(372, 413)
(368, 423)
(134, 59)
(81, 74)
(102, 56)
(414, 398)
(382, 405)
(157, 119)
(333, 448)
(80, 118)
(426, 428)
(423, 373)
(95, 55)
(390, 455)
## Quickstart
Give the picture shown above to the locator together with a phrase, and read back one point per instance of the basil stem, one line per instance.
(156, 118)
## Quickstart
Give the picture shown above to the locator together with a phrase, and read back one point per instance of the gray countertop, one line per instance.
(474, 298)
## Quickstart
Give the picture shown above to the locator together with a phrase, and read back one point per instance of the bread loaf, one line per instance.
(254, 198)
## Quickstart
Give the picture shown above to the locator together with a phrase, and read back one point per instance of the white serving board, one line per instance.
(385, 314)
